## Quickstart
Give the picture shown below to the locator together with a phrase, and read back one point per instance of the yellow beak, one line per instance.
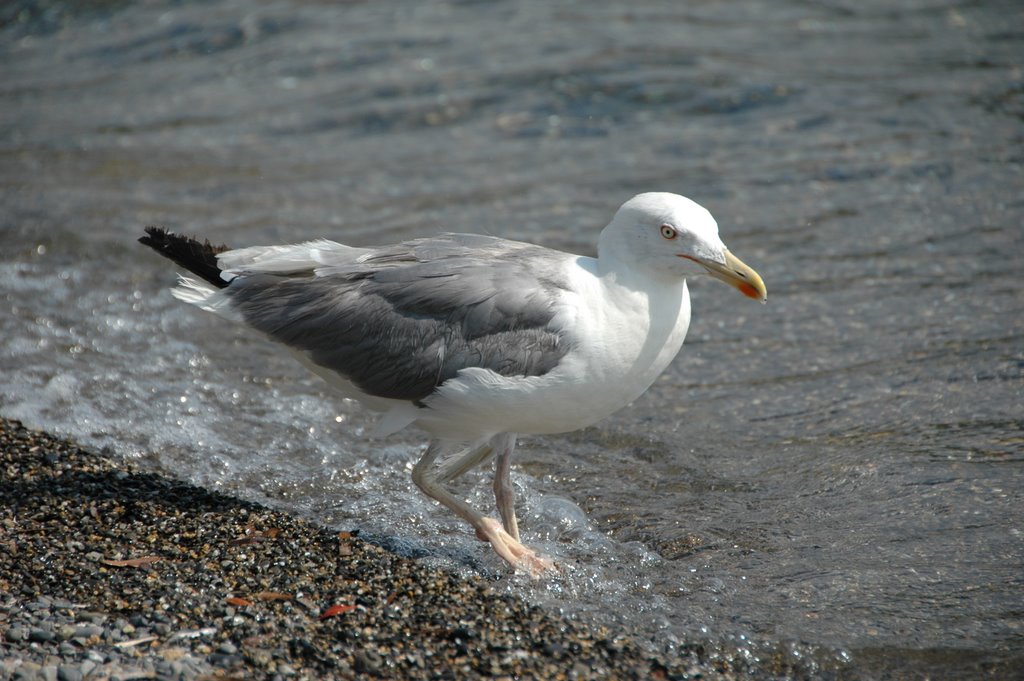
(737, 274)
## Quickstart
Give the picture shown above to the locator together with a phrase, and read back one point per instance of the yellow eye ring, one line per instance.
(669, 232)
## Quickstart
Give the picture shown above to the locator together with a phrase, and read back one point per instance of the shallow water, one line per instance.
(835, 477)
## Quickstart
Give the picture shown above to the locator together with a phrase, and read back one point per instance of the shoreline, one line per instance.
(111, 572)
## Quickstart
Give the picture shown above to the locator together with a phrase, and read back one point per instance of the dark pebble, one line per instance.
(41, 636)
(223, 660)
(69, 673)
(88, 630)
(367, 662)
(16, 634)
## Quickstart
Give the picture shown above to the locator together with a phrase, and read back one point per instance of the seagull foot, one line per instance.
(515, 554)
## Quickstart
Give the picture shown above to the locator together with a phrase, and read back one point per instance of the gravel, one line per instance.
(108, 572)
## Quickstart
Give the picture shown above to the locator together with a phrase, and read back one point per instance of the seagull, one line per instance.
(472, 338)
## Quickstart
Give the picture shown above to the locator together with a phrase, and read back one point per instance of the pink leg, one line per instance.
(504, 495)
(504, 544)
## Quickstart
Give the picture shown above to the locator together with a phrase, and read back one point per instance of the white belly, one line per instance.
(623, 340)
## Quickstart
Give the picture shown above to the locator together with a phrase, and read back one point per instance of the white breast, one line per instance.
(624, 334)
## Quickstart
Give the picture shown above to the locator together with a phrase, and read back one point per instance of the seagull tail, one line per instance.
(199, 258)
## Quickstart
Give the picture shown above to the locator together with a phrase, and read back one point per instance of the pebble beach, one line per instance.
(109, 572)
(827, 486)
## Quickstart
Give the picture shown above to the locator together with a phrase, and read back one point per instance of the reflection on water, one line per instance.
(834, 478)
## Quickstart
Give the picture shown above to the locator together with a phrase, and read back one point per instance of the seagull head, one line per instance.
(671, 236)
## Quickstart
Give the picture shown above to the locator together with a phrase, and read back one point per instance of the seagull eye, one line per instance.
(668, 231)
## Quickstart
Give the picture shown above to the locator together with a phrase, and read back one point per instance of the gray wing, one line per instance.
(404, 319)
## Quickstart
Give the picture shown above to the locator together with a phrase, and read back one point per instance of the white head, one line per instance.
(671, 236)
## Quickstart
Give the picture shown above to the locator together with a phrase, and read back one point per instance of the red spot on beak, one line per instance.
(748, 290)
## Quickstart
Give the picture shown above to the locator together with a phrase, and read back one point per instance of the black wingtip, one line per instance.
(199, 258)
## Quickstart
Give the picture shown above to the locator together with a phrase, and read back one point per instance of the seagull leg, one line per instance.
(504, 495)
(462, 463)
(506, 546)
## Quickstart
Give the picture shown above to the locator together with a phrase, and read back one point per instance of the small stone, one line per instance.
(67, 672)
(260, 657)
(554, 650)
(87, 631)
(16, 634)
(222, 660)
(27, 670)
(65, 632)
(365, 662)
(41, 636)
(228, 648)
